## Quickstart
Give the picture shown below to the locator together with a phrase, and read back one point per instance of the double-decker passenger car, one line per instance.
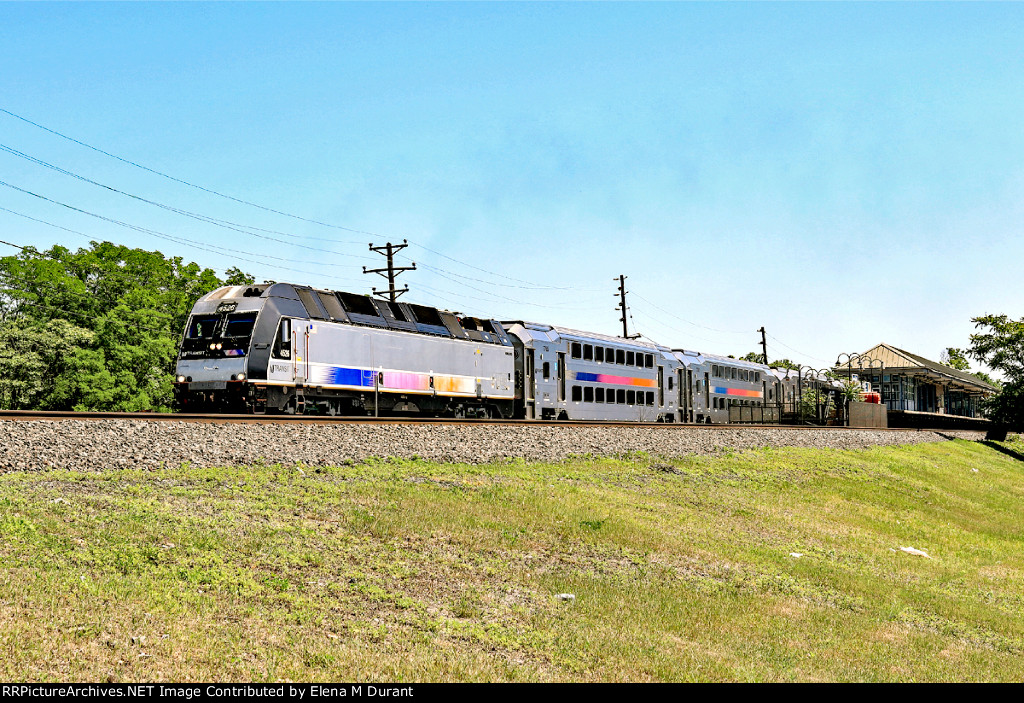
(568, 374)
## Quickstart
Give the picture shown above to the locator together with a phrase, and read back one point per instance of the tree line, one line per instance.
(97, 328)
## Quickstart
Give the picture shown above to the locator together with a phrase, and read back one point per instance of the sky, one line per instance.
(842, 174)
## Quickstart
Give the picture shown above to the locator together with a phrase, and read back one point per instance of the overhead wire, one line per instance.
(161, 235)
(266, 208)
(182, 181)
(809, 356)
(682, 319)
(217, 222)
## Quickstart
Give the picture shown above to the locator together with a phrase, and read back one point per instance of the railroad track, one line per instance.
(367, 420)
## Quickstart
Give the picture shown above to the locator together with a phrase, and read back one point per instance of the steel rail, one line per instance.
(25, 415)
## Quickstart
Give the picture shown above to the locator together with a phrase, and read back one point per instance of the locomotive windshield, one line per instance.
(202, 326)
(240, 325)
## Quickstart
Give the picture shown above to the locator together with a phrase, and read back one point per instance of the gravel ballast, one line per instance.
(95, 445)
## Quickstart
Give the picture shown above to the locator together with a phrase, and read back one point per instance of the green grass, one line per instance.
(410, 570)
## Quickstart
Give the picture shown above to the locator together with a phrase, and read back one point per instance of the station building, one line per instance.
(911, 383)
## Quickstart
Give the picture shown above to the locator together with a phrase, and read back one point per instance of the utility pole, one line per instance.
(621, 295)
(764, 346)
(391, 271)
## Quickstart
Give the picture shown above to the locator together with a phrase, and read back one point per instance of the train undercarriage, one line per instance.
(262, 399)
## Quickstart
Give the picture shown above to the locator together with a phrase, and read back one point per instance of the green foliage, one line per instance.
(1000, 346)
(777, 364)
(95, 329)
(955, 359)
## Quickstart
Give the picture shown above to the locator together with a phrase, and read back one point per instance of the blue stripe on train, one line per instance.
(348, 377)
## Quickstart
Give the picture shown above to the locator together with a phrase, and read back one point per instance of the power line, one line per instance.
(161, 235)
(263, 207)
(799, 352)
(492, 273)
(681, 319)
(182, 181)
(217, 222)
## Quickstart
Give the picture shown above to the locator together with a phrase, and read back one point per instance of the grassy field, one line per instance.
(419, 571)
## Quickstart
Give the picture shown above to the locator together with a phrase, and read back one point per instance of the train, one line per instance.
(282, 348)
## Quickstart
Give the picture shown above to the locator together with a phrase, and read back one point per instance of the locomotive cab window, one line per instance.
(240, 325)
(546, 370)
(283, 339)
(202, 326)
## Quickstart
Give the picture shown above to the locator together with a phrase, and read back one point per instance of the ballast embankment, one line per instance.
(98, 445)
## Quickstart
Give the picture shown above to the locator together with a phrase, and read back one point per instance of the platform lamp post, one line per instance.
(815, 375)
(849, 380)
(805, 373)
(849, 376)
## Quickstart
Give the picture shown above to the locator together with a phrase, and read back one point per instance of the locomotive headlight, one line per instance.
(241, 377)
(218, 346)
(180, 379)
(213, 346)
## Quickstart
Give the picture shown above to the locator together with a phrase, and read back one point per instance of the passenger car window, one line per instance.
(598, 353)
(577, 393)
(620, 356)
(588, 352)
(575, 350)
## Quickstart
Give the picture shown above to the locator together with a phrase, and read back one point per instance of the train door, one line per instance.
(560, 376)
(300, 366)
(529, 383)
(689, 394)
(707, 393)
(661, 386)
(684, 408)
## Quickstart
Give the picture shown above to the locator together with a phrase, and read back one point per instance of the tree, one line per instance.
(1000, 346)
(778, 364)
(95, 329)
(955, 359)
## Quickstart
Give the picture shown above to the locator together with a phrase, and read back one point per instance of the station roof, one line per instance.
(904, 361)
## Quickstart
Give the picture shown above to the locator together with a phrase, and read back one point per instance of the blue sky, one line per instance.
(843, 174)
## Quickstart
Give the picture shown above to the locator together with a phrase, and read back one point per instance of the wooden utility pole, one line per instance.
(622, 306)
(764, 346)
(391, 271)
